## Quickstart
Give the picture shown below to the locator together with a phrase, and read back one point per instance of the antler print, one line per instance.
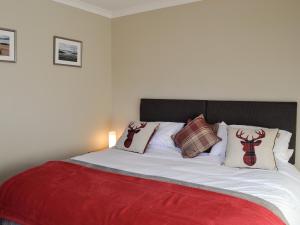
(261, 134)
(239, 134)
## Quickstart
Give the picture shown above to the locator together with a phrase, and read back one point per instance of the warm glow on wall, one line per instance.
(98, 140)
(112, 138)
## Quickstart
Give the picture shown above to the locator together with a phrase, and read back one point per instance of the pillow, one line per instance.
(282, 141)
(214, 127)
(285, 157)
(219, 149)
(136, 136)
(251, 148)
(289, 154)
(162, 137)
(281, 148)
(195, 137)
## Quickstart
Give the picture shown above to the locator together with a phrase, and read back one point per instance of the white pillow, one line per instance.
(162, 137)
(290, 153)
(219, 149)
(285, 157)
(282, 141)
(281, 148)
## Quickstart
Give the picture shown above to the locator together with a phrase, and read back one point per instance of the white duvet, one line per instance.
(281, 188)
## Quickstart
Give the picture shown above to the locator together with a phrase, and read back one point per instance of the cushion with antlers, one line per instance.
(196, 137)
(251, 148)
(136, 136)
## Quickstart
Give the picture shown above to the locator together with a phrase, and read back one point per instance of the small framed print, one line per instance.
(7, 45)
(67, 52)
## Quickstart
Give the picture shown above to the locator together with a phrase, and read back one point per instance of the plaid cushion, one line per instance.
(196, 137)
(214, 127)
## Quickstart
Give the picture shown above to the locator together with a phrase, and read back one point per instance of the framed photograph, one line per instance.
(67, 52)
(7, 45)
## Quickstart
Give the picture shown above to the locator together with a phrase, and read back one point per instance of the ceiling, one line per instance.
(117, 8)
(113, 5)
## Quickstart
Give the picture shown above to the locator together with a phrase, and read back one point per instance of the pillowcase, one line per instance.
(136, 136)
(214, 127)
(162, 137)
(289, 154)
(249, 148)
(281, 148)
(195, 137)
(285, 157)
(219, 149)
(282, 141)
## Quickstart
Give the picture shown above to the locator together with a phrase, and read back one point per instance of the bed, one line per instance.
(276, 194)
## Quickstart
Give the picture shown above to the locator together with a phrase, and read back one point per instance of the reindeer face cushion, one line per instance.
(136, 136)
(251, 148)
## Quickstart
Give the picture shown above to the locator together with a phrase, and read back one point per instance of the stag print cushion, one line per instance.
(136, 136)
(251, 148)
(282, 142)
(196, 137)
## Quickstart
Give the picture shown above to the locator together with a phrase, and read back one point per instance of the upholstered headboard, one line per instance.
(282, 115)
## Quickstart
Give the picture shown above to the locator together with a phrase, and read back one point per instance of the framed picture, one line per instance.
(7, 45)
(67, 52)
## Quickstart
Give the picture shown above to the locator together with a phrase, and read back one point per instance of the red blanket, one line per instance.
(60, 193)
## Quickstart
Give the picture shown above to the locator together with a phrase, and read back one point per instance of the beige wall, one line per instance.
(46, 111)
(227, 50)
(222, 50)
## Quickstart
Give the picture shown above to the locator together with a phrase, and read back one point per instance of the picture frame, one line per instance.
(8, 46)
(67, 52)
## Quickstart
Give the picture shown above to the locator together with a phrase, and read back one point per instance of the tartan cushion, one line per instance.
(214, 127)
(196, 137)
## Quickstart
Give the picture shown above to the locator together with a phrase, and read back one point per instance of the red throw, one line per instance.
(61, 193)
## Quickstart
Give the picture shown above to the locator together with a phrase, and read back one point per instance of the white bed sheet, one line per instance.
(281, 188)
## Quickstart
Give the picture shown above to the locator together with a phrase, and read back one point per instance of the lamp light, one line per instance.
(112, 139)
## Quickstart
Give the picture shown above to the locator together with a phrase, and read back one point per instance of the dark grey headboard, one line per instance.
(282, 115)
